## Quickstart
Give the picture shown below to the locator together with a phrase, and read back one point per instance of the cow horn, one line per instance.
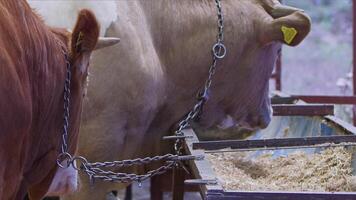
(106, 42)
(280, 10)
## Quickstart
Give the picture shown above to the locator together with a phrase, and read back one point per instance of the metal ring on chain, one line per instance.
(219, 50)
(81, 162)
(64, 157)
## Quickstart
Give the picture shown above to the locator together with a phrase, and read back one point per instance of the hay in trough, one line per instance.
(329, 170)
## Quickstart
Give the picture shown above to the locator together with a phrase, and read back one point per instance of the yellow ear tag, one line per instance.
(289, 34)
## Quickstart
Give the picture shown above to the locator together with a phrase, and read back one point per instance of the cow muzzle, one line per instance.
(255, 122)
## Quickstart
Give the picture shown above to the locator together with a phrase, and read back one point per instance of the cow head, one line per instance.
(242, 86)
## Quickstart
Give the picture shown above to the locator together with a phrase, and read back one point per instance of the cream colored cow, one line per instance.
(148, 82)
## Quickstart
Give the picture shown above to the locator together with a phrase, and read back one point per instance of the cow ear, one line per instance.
(290, 29)
(85, 33)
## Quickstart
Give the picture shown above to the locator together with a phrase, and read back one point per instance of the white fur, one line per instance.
(65, 181)
(60, 13)
(227, 123)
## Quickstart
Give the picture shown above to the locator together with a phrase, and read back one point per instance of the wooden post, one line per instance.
(178, 183)
(128, 193)
(156, 188)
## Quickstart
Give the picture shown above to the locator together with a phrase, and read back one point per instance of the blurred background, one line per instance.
(322, 64)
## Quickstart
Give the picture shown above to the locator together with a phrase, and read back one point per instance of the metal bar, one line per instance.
(282, 195)
(303, 110)
(326, 99)
(273, 143)
(354, 58)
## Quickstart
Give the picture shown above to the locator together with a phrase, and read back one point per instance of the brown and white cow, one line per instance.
(32, 74)
(139, 90)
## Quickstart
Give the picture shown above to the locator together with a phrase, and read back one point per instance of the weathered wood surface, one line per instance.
(201, 169)
(280, 127)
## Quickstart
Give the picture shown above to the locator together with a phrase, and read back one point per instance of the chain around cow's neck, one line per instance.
(95, 171)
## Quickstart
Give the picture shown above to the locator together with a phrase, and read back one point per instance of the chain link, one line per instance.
(96, 171)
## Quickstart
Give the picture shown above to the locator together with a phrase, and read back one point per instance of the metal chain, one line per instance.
(137, 161)
(95, 171)
(218, 52)
(66, 106)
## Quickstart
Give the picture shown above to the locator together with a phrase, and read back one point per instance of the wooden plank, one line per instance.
(320, 99)
(302, 110)
(280, 195)
(283, 100)
(273, 143)
(348, 128)
(201, 169)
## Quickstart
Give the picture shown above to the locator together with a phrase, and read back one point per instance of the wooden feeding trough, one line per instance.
(295, 126)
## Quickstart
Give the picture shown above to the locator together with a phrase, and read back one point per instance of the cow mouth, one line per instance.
(230, 122)
(244, 126)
